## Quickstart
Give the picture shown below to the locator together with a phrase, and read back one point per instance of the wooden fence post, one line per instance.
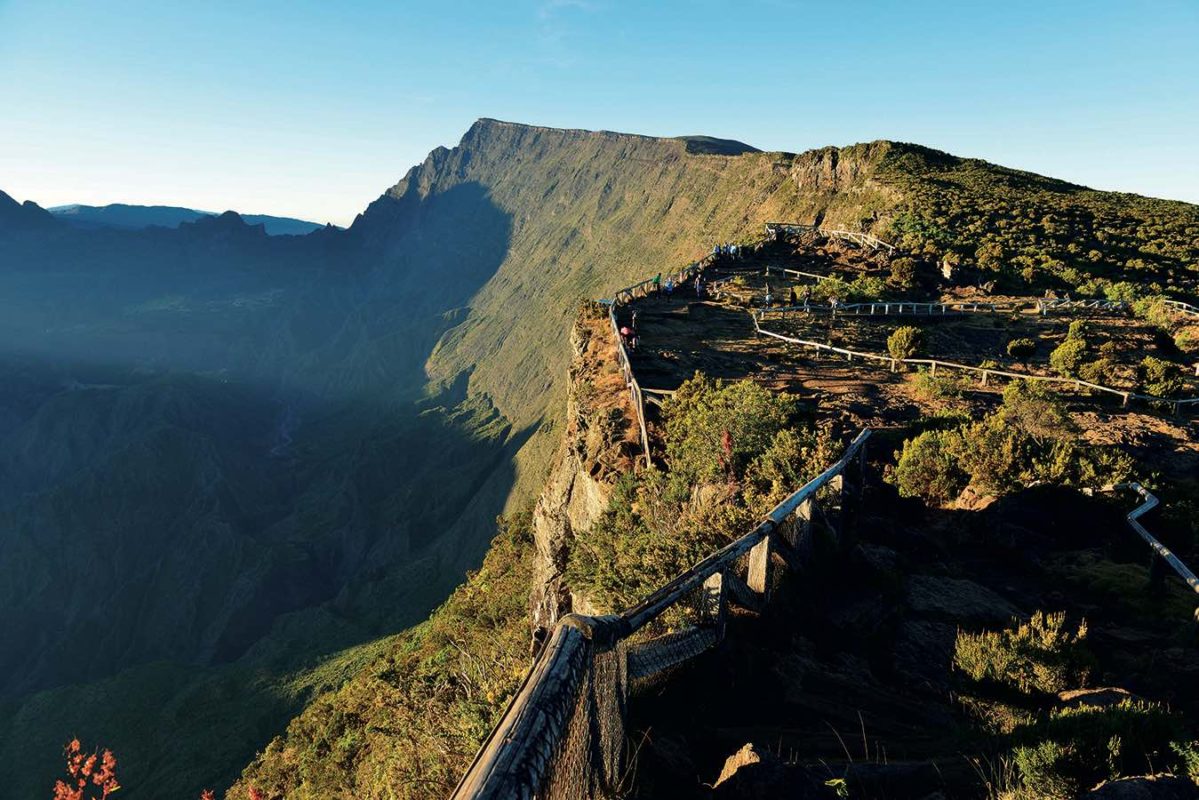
(758, 572)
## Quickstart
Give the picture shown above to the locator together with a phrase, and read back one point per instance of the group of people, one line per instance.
(730, 250)
(793, 300)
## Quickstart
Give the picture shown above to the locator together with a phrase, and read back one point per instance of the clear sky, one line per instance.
(312, 109)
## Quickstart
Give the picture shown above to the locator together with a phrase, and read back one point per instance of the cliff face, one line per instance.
(598, 443)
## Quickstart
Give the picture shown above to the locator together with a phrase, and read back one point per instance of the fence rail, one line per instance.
(563, 734)
(1183, 308)
(1046, 305)
(985, 372)
(882, 308)
(1160, 550)
(861, 239)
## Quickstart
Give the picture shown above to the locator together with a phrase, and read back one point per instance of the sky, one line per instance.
(313, 109)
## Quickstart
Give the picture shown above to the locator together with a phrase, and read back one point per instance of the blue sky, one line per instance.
(312, 109)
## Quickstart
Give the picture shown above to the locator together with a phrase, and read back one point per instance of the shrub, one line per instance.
(1042, 655)
(1068, 357)
(1160, 377)
(1075, 748)
(89, 776)
(903, 273)
(905, 342)
(1079, 329)
(936, 387)
(1028, 440)
(1021, 349)
(830, 287)
(734, 450)
(866, 287)
(1188, 754)
(928, 467)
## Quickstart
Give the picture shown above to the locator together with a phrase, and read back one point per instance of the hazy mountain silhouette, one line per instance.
(135, 217)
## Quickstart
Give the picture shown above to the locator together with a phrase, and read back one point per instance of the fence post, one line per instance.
(716, 601)
(933, 369)
(757, 574)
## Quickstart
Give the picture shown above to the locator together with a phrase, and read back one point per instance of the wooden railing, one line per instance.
(986, 373)
(861, 239)
(563, 734)
(891, 308)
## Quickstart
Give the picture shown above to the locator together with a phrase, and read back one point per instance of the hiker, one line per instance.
(633, 322)
(625, 333)
(669, 287)
(699, 286)
(832, 304)
(807, 297)
(734, 250)
(791, 300)
(657, 285)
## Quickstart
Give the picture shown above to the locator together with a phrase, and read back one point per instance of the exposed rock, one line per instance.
(958, 600)
(923, 653)
(576, 492)
(1103, 697)
(754, 774)
(1146, 787)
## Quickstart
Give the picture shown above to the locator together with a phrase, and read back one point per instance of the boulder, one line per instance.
(958, 600)
(1146, 787)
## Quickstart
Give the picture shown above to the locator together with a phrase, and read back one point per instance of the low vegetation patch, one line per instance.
(733, 451)
(1030, 439)
(1044, 655)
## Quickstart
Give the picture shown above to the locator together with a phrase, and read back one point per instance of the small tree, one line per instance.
(1021, 349)
(905, 342)
(1067, 358)
(1160, 377)
(928, 467)
(1078, 330)
(903, 273)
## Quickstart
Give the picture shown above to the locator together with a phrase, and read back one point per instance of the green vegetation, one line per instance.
(1021, 349)
(1160, 378)
(733, 450)
(905, 342)
(930, 387)
(1074, 748)
(1029, 439)
(415, 717)
(1032, 233)
(1042, 655)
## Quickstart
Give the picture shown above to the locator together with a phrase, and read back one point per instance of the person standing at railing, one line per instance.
(791, 301)
(769, 297)
(668, 287)
(807, 298)
(699, 286)
(657, 282)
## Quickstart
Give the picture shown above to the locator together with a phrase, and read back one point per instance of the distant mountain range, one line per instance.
(129, 217)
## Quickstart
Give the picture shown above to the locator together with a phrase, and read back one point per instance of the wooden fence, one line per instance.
(563, 734)
(860, 239)
(986, 373)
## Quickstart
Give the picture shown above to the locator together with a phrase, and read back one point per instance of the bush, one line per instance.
(1042, 655)
(1068, 357)
(1075, 748)
(1079, 329)
(936, 387)
(905, 342)
(1028, 440)
(928, 467)
(734, 450)
(866, 287)
(1159, 377)
(1021, 349)
(903, 273)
